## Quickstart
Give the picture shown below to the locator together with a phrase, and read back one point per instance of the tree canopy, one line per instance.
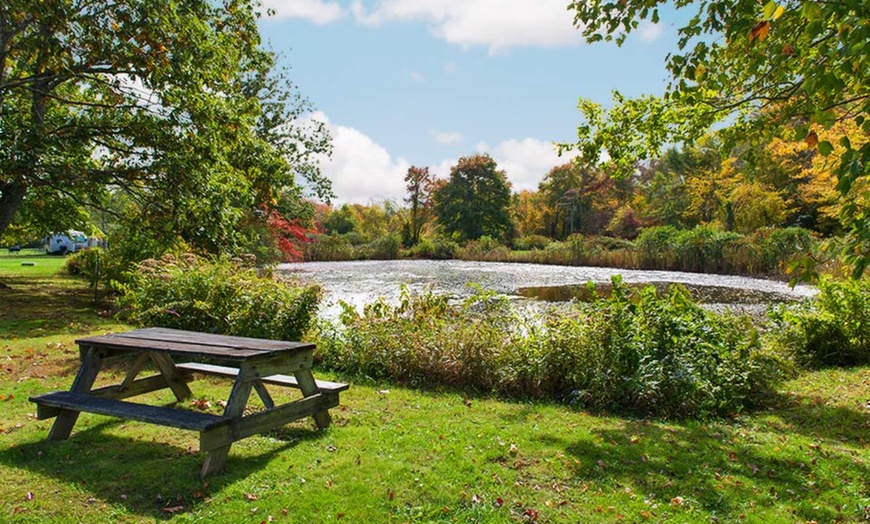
(475, 200)
(788, 68)
(174, 104)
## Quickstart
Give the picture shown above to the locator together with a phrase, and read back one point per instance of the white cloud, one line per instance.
(450, 137)
(361, 170)
(525, 161)
(416, 77)
(649, 32)
(320, 12)
(497, 24)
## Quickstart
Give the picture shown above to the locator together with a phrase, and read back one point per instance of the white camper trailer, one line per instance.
(67, 242)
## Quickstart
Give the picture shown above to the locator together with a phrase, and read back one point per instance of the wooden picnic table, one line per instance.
(179, 356)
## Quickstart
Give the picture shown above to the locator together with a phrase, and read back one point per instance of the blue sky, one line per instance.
(424, 82)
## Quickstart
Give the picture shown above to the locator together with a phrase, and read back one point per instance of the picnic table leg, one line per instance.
(309, 387)
(172, 375)
(92, 359)
(217, 458)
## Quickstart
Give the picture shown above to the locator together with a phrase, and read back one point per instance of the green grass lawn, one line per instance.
(400, 455)
(29, 262)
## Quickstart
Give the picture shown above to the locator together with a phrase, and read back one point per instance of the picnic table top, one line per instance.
(193, 344)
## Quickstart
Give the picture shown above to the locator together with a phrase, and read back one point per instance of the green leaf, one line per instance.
(825, 148)
(811, 11)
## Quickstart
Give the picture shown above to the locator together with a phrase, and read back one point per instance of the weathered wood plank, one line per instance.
(137, 387)
(269, 365)
(227, 431)
(173, 377)
(135, 369)
(176, 349)
(92, 360)
(178, 418)
(212, 339)
(309, 388)
(217, 457)
(264, 394)
(210, 343)
(278, 380)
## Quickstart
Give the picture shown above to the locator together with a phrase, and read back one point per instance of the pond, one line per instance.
(360, 282)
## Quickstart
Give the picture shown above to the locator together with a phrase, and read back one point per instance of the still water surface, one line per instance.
(360, 282)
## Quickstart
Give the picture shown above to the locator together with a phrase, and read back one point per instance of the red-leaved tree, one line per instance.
(289, 235)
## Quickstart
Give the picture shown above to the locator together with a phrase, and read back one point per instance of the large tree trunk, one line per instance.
(11, 197)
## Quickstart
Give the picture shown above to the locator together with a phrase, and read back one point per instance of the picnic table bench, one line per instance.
(179, 356)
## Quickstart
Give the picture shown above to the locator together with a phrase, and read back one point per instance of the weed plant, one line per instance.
(831, 330)
(642, 354)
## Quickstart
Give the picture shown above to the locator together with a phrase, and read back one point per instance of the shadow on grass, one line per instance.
(147, 477)
(813, 417)
(801, 456)
(46, 306)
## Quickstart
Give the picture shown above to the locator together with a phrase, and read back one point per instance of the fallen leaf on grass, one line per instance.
(201, 404)
(173, 509)
(250, 496)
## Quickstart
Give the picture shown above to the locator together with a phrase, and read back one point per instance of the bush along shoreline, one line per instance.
(779, 253)
(634, 352)
(639, 354)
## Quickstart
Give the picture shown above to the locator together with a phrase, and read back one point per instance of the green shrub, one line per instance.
(481, 248)
(384, 248)
(85, 263)
(657, 246)
(611, 244)
(434, 248)
(530, 242)
(107, 266)
(831, 329)
(328, 248)
(642, 354)
(778, 247)
(218, 297)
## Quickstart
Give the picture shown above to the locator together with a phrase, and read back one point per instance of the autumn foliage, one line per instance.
(289, 235)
